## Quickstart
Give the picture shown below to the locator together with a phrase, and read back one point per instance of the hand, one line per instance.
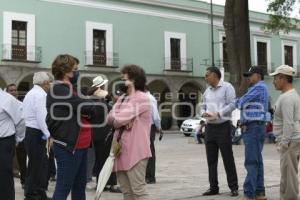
(210, 115)
(50, 142)
(44, 137)
(281, 147)
(129, 126)
(158, 130)
(100, 93)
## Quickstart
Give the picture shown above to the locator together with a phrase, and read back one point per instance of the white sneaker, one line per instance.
(91, 185)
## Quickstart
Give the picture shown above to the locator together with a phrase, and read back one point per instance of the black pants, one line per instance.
(7, 149)
(102, 150)
(37, 172)
(52, 167)
(150, 172)
(217, 138)
(22, 159)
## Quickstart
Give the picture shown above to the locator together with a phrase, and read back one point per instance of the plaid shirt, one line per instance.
(254, 104)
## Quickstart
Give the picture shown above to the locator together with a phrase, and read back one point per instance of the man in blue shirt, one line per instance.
(254, 106)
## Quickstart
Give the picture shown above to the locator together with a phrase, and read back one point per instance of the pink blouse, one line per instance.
(136, 140)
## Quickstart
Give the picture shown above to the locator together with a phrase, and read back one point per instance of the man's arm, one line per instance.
(155, 114)
(41, 113)
(230, 101)
(249, 96)
(14, 109)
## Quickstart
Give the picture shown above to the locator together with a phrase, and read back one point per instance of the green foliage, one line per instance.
(279, 19)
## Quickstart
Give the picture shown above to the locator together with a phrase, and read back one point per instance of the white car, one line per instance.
(190, 126)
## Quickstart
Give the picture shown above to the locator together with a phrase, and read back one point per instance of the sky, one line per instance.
(258, 5)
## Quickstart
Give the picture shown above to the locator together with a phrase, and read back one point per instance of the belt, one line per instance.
(256, 122)
(8, 137)
(219, 124)
(33, 130)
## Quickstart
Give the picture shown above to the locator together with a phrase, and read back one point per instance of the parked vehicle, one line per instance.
(190, 126)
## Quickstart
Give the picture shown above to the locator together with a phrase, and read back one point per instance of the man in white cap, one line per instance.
(286, 127)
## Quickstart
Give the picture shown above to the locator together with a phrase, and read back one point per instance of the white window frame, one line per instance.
(182, 37)
(108, 28)
(8, 17)
(294, 45)
(268, 41)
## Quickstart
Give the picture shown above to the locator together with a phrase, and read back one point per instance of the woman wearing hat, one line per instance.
(102, 135)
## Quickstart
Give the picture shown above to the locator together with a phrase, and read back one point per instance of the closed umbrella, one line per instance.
(105, 174)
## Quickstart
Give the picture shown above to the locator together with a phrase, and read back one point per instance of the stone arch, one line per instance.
(3, 83)
(160, 89)
(24, 85)
(190, 93)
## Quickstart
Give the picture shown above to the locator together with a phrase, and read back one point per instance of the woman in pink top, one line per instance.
(133, 115)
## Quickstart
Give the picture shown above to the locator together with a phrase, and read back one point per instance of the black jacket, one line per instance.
(100, 129)
(64, 112)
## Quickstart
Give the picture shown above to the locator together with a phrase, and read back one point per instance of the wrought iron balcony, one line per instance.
(180, 65)
(21, 53)
(101, 60)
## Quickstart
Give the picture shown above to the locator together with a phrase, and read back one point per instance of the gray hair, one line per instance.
(40, 77)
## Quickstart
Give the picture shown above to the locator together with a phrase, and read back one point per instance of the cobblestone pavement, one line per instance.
(182, 172)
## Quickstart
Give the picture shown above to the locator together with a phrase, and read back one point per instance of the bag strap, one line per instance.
(123, 127)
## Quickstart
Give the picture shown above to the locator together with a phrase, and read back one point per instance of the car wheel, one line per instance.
(187, 134)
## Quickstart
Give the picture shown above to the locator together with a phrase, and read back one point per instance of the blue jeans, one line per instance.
(253, 138)
(71, 173)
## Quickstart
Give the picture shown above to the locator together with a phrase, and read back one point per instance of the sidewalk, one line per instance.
(182, 172)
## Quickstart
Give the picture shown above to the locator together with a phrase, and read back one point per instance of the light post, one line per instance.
(212, 34)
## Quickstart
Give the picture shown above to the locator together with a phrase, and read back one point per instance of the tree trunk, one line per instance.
(236, 24)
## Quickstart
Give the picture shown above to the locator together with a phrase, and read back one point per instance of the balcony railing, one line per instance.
(101, 60)
(21, 53)
(182, 64)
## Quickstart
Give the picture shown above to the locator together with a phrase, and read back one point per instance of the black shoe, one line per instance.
(210, 192)
(152, 181)
(234, 193)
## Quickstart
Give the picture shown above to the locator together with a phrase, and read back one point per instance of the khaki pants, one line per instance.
(133, 182)
(289, 160)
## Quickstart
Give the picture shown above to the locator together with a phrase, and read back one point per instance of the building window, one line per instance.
(19, 40)
(99, 47)
(288, 55)
(19, 37)
(175, 54)
(262, 53)
(99, 44)
(262, 59)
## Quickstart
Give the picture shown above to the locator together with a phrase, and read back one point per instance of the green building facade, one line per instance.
(170, 39)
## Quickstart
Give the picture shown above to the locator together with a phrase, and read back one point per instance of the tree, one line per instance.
(279, 19)
(236, 25)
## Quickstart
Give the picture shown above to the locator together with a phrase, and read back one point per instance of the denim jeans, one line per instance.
(253, 138)
(71, 173)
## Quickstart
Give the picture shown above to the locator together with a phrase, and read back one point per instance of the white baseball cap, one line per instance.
(99, 81)
(284, 69)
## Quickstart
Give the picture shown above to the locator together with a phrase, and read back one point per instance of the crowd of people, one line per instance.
(58, 123)
(64, 132)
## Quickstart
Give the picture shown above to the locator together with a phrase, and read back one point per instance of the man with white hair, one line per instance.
(36, 137)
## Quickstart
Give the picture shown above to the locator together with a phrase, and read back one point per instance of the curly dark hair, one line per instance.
(137, 75)
(63, 64)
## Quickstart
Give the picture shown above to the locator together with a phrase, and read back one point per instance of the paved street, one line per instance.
(182, 172)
